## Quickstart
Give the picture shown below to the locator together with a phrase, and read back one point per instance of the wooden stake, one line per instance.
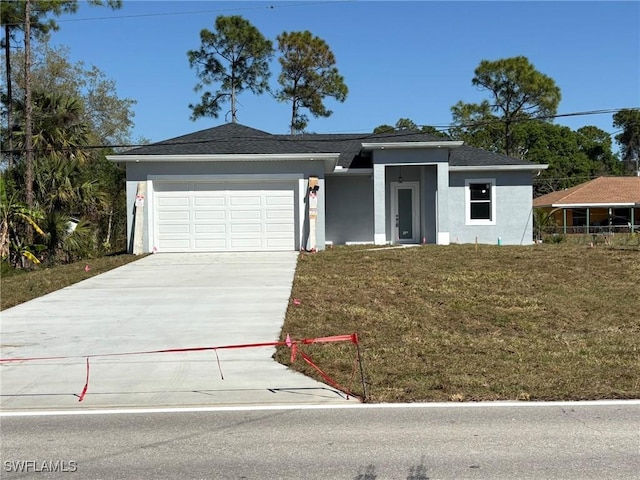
(362, 379)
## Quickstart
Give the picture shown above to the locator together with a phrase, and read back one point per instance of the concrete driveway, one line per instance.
(162, 301)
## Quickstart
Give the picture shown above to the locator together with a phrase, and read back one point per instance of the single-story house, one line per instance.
(605, 204)
(235, 188)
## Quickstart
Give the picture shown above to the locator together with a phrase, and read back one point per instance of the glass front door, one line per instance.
(405, 212)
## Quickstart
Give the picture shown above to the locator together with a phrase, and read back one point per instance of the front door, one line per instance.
(405, 216)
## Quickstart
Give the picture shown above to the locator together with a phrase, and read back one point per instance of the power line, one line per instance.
(194, 12)
(310, 137)
(486, 122)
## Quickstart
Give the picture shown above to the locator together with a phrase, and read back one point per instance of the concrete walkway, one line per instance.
(162, 301)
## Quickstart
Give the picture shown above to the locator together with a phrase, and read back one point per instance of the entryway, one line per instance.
(405, 212)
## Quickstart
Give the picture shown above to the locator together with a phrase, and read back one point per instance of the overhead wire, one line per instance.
(196, 12)
(437, 127)
(325, 137)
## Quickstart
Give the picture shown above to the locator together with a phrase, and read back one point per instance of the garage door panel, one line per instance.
(219, 228)
(173, 216)
(204, 215)
(169, 202)
(245, 215)
(248, 200)
(279, 228)
(244, 228)
(219, 216)
(211, 244)
(280, 214)
(213, 201)
(275, 200)
(176, 244)
(246, 244)
(174, 228)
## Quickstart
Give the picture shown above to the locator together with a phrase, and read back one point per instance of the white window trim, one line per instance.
(467, 201)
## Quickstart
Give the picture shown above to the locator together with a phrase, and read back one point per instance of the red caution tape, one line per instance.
(326, 377)
(293, 344)
(86, 384)
(353, 338)
(306, 341)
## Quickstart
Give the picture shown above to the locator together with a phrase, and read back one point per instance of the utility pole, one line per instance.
(28, 110)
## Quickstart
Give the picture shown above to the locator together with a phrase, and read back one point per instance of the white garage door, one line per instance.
(217, 216)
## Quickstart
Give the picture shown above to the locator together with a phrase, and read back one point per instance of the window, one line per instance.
(480, 201)
(578, 217)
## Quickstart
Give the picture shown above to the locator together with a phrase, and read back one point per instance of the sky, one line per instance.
(399, 59)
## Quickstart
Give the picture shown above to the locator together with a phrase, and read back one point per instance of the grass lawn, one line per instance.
(545, 322)
(20, 286)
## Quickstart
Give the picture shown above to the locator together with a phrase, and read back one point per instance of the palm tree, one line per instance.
(58, 127)
(61, 189)
(15, 218)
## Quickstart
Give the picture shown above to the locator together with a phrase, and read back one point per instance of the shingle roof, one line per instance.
(233, 138)
(602, 190)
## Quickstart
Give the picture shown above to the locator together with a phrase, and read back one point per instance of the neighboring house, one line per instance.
(605, 204)
(234, 188)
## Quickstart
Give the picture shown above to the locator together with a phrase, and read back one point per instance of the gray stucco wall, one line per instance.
(514, 202)
(420, 155)
(142, 171)
(428, 199)
(349, 207)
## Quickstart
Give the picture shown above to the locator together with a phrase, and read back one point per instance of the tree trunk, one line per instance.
(234, 119)
(507, 137)
(28, 112)
(7, 52)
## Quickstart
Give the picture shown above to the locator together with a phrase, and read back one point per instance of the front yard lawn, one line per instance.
(454, 323)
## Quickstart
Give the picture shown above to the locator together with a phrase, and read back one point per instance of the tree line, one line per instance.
(517, 120)
(60, 199)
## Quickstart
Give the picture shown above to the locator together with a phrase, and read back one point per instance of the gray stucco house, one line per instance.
(235, 188)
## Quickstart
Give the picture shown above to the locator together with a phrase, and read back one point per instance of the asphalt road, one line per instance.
(553, 441)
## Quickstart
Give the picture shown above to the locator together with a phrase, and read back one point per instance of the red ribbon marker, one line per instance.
(292, 344)
(86, 384)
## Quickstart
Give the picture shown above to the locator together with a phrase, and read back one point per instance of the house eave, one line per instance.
(595, 205)
(330, 160)
(352, 171)
(486, 168)
(410, 145)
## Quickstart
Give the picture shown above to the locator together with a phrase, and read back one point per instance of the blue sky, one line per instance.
(399, 59)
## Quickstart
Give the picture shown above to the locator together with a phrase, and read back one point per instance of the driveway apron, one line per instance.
(162, 301)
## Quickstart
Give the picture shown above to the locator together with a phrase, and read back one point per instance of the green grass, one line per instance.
(20, 286)
(546, 322)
